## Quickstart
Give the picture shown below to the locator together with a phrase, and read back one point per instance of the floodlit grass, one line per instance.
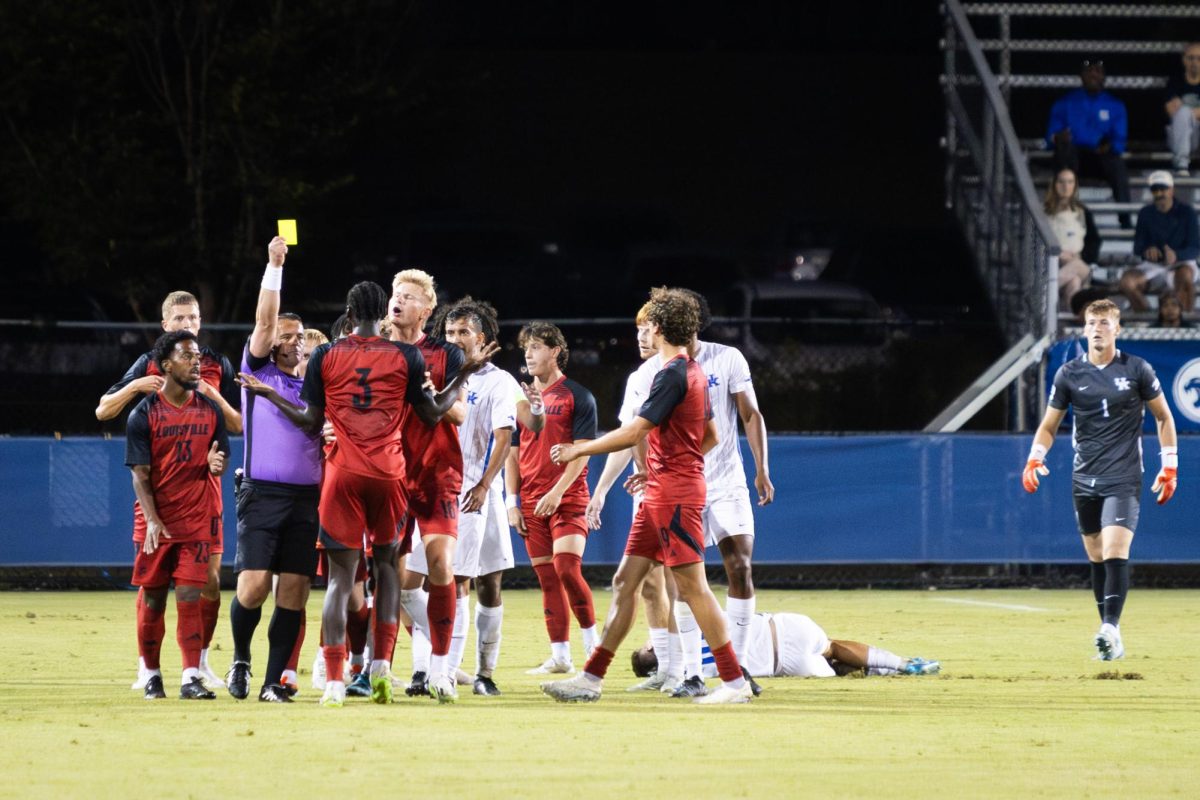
(1018, 711)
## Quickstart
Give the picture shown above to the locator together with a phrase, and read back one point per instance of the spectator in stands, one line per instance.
(1075, 229)
(1170, 312)
(1183, 110)
(1088, 128)
(1168, 240)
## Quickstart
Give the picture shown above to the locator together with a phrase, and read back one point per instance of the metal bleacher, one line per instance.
(1029, 48)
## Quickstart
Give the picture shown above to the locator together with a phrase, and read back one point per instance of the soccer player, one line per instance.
(793, 646)
(176, 447)
(547, 500)
(676, 419)
(728, 515)
(277, 496)
(181, 312)
(365, 384)
(1109, 392)
(432, 483)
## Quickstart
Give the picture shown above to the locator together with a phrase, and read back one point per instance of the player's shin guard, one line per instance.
(151, 628)
(282, 634)
(727, 664)
(385, 641)
(189, 632)
(487, 630)
(597, 665)
(569, 568)
(1099, 573)
(1116, 587)
(554, 603)
(739, 612)
(209, 611)
(441, 617)
(462, 624)
(689, 638)
(242, 622)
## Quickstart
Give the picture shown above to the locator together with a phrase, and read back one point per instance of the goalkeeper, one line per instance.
(1108, 391)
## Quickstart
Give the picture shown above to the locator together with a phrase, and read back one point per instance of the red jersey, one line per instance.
(570, 415)
(679, 407)
(365, 385)
(434, 455)
(174, 443)
(215, 370)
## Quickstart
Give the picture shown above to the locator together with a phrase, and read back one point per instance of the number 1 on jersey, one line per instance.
(363, 400)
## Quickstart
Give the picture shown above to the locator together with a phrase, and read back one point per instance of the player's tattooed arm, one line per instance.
(144, 492)
(310, 419)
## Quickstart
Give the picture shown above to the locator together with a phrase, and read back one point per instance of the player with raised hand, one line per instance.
(676, 420)
(364, 385)
(181, 312)
(176, 446)
(277, 496)
(1109, 392)
(547, 501)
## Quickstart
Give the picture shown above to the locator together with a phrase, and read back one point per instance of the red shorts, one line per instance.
(184, 562)
(351, 504)
(672, 535)
(360, 574)
(567, 520)
(434, 512)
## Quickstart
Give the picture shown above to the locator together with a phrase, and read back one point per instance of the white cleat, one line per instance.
(671, 683)
(443, 689)
(725, 694)
(462, 678)
(209, 678)
(143, 675)
(579, 689)
(335, 695)
(652, 684)
(1109, 646)
(552, 666)
(318, 672)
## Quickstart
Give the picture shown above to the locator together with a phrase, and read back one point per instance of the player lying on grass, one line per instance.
(793, 646)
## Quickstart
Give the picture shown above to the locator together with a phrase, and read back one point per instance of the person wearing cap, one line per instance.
(1087, 131)
(1168, 240)
(1183, 110)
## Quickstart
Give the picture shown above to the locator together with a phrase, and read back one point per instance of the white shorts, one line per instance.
(801, 643)
(727, 513)
(1160, 278)
(483, 546)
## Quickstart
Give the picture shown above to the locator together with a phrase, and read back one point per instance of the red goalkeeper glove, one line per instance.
(1029, 478)
(1164, 484)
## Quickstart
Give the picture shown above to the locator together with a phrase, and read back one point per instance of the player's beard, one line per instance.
(190, 385)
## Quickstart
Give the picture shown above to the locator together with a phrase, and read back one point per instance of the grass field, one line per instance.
(1020, 710)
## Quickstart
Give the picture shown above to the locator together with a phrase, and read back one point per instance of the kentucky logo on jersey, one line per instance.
(713, 380)
(1122, 384)
(472, 398)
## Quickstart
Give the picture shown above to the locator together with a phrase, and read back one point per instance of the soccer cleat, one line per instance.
(579, 689)
(274, 693)
(671, 683)
(552, 666)
(290, 686)
(754, 687)
(143, 675)
(418, 686)
(238, 680)
(919, 666)
(486, 686)
(318, 672)
(1108, 643)
(196, 690)
(443, 689)
(209, 678)
(359, 686)
(724, 695)
(154, 687)
(381, 689)
(335, 694)
(462, 678)
(692, 687)
(652, 684)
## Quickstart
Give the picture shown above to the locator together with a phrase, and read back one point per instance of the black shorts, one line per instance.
(1095, 513)
(277, 528)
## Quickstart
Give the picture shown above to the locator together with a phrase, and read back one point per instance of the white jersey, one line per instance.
(491, 403)
(801, 643)
(728, 373)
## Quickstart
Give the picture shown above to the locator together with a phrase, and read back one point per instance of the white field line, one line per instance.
(1008, 606)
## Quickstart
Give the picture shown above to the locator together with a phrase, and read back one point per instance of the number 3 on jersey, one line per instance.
(363, 400)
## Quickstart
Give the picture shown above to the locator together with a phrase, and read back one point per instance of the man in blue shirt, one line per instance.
(1168, 240)
(1088, 128)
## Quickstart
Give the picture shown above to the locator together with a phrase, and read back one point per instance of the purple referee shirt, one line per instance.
(276, 450)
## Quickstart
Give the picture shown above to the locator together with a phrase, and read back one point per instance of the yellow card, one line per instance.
(287, 229)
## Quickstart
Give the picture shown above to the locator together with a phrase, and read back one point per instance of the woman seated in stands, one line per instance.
(1170, 312)
(1072, 223)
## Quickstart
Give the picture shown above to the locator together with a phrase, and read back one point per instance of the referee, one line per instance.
(277, 497)
(1109, 392)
